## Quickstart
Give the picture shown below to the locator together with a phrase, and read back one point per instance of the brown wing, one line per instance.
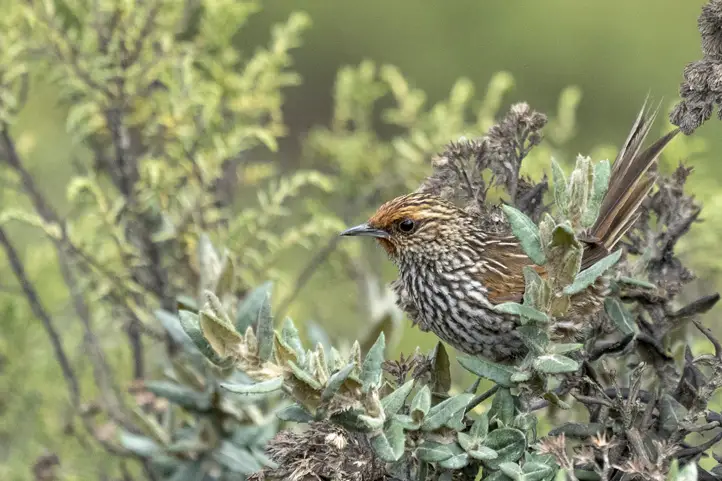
(504, 262)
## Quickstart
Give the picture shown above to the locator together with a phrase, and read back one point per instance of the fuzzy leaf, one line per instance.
(457, 461)
(235, 458)
(512, 470)
(480, 428)
(441, 413)
(619, 314)
(395, 401)
(442, 370)
(688, 473)
(671, 413)
(565, 348)
(537, 292)
(371, 422)
(587, 277)
(578, 190)
(296, 413)
(389, 445)
(250, 307)
(527, 232)
(191, 325)
(421, 404)
(555, 364)
(600, 182)
(498, 373)
(282, 351)
(178, 394)
(336, 381)
(262, 387)
(636, 282)
(536, 339)
(433, 452)
(171, 323)
(520, 376)
(560, 188)
(466, 441)
(503, 406)
(523, 311)
(407, 422)
(536, 471)
(304, 376)
(292, 339)
(221, 335)
(508, 443)
(483, 453)
(577, 430)
(371, 368)
(140, 445)
(264, 329)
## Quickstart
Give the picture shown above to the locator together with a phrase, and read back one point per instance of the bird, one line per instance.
(452, 271)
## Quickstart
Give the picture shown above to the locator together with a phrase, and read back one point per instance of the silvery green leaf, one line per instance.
(140, 445)
(560, 188)
(497, 476)
(441, 371)
(565, 348)
(171, 323)
(527, 232)
(512, 470)
(688, 473)
(555, 364)
(456, 421)
(373, 423)
(188, 471)
(457, 461)
(389, 445)
(421, 403)
(282, 351)
(407, 422)
(483, 453)
(546, 227)
(466, 441)
(190, 323)
(209, 262)
(180, 395)
(577, 430)
(671, 413)
(636, 282)
(292, 339)
(296, 413)
(433, 452)
(619, 314)
(219, 333)
(256, 388)
(587, 277)
(371, 368)
(537, 291)
(441, 413)
(264, 329)
(537, 471)
(251, 306)
(520, 376)
(600, 182)
(395, 400)
(236, 459)
(555, 400)
(509, 445)
(673, 471)
(521, 310)
(503, 406)
(578, 191)
(535, 338)
(498, 373)
(335, 382)
(317, 335)
(480, 428)
(304, 376)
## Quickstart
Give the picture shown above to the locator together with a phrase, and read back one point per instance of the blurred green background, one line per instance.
(615, 52)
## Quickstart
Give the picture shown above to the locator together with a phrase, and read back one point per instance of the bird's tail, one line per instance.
(629, 184)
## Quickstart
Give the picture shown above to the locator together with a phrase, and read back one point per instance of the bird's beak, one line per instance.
(365, 230)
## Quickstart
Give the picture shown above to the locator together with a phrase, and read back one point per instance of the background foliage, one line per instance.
(212, 114)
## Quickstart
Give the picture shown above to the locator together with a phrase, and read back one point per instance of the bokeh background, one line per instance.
(613, 52)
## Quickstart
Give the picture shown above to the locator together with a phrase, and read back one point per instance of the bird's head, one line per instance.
(415, 225)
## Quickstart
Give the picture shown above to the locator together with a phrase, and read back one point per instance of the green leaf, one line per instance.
(389, 445)
(441, 372)
(600, 182)
(395, 401)
(480, 428)
(295, 413)
(537, 292)
(512, 470)
(498, 373)
(578, 191)
(671, 413)
(555, 364)
(503, 406)
(352, 419)
(537, 471)
(250, 307)
(292, 339)
(336, 381)
(520, 376)
(262, 387)
(190, 323)
(304, 376)
(565, 348)
(509, 444)
(521, 310)
(482, 453)
(587, 277)
(220, 333)
(407, 422)
(688, 473)
(527, 232)
(371, 368)
(636, 282)
(264, 331)
(457, 461)
(536, 339)
(466, 441)
(236, 459)
(577, 430)
(371, 422)
(441, 413)
(171, 323)
(421, 404)
(619, 314)
(433, 452)
(560, 188)
(140, 445)
(180, 395)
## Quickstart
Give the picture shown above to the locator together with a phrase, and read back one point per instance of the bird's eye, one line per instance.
(407, 225)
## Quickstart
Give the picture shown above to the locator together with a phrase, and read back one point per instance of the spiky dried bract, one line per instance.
(701, 89)
(323, 452)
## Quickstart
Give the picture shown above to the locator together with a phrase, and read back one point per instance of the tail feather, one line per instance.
(629, 184)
